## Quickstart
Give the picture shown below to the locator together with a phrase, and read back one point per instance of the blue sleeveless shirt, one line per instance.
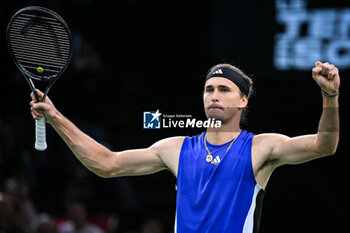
(217, 198)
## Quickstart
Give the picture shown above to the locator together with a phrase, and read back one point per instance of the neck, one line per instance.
(222, 135)
(229, 129)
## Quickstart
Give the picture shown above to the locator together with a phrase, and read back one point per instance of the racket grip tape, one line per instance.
(40, 134)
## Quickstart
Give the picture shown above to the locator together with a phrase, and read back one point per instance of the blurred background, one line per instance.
(133, 56)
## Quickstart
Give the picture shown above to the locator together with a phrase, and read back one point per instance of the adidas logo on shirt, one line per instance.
(217, 160)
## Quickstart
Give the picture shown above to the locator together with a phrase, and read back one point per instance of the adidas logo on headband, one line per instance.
(219, 71)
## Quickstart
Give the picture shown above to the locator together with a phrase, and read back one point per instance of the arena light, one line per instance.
(309, 35)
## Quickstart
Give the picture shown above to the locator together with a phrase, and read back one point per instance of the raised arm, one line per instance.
(100, 160)
(285, 150)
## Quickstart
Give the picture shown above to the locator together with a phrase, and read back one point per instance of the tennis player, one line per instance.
(221, 174)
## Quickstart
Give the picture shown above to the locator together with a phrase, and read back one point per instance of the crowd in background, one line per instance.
(18, 214)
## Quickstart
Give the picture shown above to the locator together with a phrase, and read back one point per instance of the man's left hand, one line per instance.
(327, 77)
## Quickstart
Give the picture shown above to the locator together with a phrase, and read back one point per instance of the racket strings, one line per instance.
(40, 41)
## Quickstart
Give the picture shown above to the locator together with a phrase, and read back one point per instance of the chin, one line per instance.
(215, 115)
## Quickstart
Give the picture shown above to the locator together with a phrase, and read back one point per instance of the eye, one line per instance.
(209, 89)
(225, 90)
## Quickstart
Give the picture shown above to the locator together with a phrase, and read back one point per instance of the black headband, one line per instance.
(232, 75)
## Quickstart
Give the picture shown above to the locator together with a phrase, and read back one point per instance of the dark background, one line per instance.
(134, 56)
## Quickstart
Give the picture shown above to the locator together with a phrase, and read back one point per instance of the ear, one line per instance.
(243, 102)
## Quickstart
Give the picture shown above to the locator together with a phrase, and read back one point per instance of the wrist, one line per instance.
(330, 100)
(330, 94)
(54, 118)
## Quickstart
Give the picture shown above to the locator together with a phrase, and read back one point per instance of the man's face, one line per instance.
(222, 99)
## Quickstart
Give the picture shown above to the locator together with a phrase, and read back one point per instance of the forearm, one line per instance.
(328, 129)
(93, 155)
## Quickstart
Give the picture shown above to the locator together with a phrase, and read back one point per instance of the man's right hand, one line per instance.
(38, 110)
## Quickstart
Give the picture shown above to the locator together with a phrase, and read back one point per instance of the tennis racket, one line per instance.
(40, 44)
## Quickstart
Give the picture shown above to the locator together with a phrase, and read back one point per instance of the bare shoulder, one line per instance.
(168, 143)
(263, 163)
(168, 150)
(263, 144)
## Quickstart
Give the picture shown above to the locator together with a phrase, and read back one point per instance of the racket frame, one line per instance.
(40, 144)
(29, 75)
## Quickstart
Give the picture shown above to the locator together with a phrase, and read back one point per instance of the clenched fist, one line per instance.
(327, 77)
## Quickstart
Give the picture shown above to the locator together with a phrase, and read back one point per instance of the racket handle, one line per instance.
(40, 134)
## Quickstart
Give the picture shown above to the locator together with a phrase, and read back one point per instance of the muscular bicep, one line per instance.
(164, 154)
(137, 162)
(292, 150)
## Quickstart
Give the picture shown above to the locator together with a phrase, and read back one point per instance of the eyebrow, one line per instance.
(219, 86)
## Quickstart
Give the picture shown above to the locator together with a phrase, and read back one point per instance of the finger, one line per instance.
(41, 107)
(328, 67)
(36, 115)
(318, 63)
(32, 96)
(32, 103)
(33, 115)
(40, 94)
(332, 73)
(317, 69)
(324, 70)
(36, 111)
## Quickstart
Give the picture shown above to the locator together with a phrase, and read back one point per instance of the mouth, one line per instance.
(215, 111)
(215, 107)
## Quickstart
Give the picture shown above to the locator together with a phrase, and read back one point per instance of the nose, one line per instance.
(214, 96)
